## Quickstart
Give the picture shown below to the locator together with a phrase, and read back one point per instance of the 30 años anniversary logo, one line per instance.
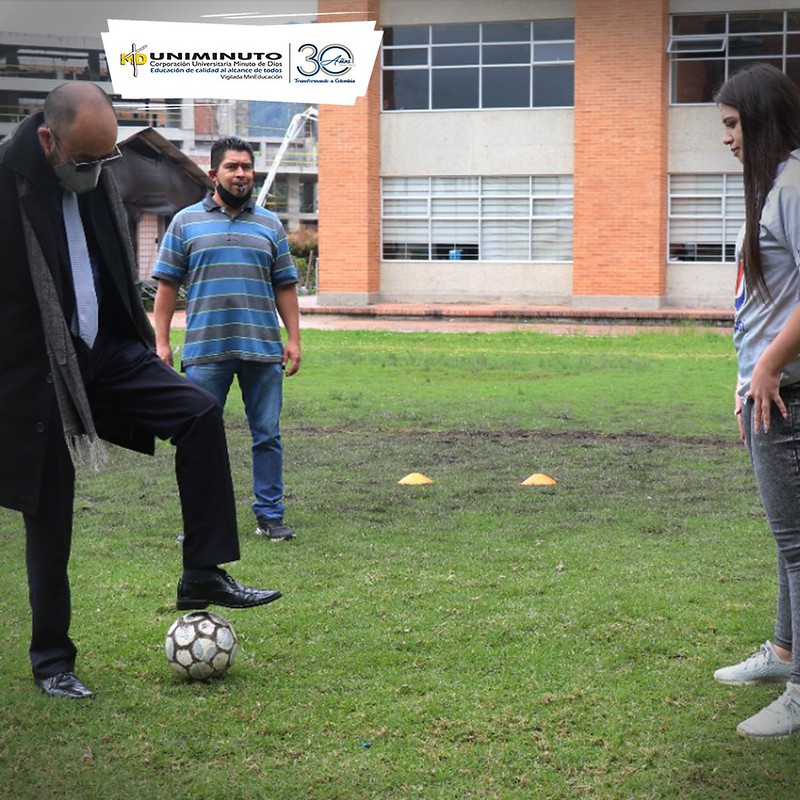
(334, 60)
(286, 69)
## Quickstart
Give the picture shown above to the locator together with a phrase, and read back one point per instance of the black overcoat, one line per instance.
(28, 408)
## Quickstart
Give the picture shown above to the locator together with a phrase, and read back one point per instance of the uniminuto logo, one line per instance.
(135, 58)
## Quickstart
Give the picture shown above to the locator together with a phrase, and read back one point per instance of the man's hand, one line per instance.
(289, 311)
(291, 357)
(163, 311)
(165, 354)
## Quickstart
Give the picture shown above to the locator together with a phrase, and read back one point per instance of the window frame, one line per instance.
(436, 200)
(729, 219)
(484, 44)
(718, 45)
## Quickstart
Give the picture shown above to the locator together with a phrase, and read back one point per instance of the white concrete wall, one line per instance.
(695, 146)
(475, 282)
(516, 142)
(700, 285)
(721, 6)
(695, 141)
(410, 12)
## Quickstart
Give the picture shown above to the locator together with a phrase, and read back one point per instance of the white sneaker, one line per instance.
(765, 666)
(778, 720)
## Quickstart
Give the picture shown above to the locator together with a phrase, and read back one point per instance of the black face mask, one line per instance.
(232, 200)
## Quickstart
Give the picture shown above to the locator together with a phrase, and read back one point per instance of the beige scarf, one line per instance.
(85, 447)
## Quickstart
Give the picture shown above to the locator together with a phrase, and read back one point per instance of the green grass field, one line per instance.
(473, 638)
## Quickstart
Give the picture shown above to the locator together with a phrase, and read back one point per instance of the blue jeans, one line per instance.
(776, 465)
(261, 385)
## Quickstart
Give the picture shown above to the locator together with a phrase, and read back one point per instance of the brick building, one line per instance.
(554, 152)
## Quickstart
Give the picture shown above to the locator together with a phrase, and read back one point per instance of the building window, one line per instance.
(706, 49)
(479, 65)
(278, 198)
(706, 213)
(308, 195)
(52, 63)
(519, 218)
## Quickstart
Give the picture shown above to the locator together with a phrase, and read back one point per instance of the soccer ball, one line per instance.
(200, 645)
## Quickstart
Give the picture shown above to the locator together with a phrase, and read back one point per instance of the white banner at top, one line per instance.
(328, 62)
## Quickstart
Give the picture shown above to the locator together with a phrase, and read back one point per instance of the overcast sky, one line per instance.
(88, 17)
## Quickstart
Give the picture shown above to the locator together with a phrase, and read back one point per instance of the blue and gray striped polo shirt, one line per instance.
(229, 268)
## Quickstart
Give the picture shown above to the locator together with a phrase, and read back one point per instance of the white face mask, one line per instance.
(73, 179)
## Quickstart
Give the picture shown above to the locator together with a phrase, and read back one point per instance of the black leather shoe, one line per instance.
(219, 588)
(65, 684)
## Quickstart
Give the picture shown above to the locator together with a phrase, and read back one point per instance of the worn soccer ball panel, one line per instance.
(201, 645)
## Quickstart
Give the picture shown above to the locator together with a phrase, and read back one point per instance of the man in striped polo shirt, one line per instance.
(233, 258)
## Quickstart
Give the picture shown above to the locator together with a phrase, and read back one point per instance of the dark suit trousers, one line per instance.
(122, 374)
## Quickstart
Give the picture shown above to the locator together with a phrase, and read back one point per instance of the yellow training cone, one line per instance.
(538, 479)
(415, 479)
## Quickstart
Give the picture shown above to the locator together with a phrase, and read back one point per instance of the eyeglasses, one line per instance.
(86, 166)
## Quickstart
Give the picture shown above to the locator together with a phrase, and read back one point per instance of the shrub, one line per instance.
(303, 242)
(303, 245)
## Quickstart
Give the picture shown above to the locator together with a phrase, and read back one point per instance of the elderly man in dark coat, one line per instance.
(77, 367)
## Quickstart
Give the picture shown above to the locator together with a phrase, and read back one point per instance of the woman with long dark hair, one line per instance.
(760, 111)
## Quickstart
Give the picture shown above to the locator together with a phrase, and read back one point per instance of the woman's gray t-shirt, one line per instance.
(758, 321)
